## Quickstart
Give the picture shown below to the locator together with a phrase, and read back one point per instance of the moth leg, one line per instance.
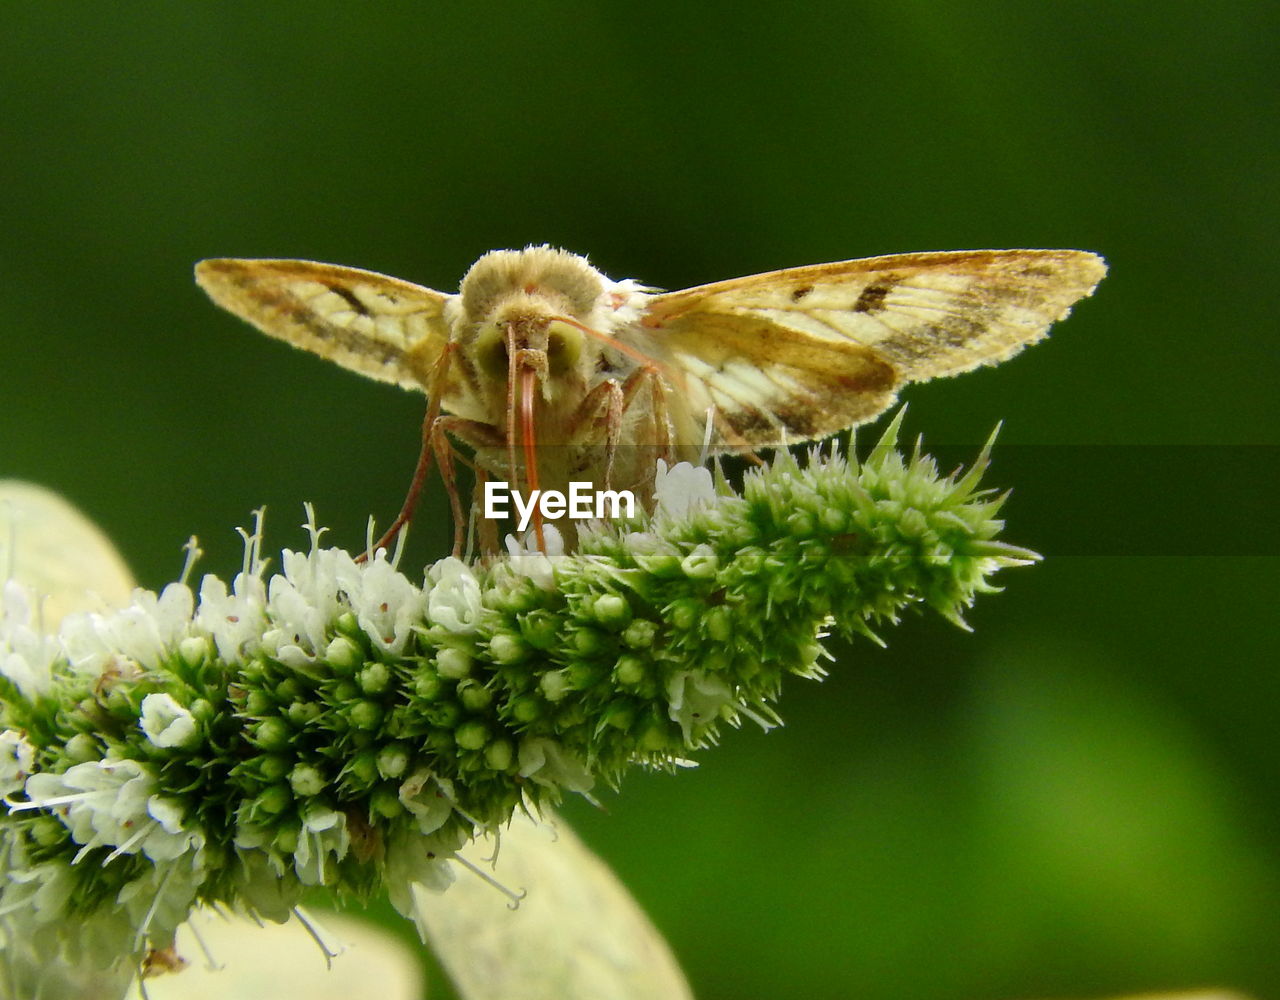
(438, 372)
(474, 434)
(483, 527)
(610, 403)
(651, 379)
(606, 402)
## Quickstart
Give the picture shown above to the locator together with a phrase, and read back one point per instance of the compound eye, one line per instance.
(491, 352)
(564, 347)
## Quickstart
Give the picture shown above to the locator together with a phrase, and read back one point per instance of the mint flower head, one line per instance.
(341, 724)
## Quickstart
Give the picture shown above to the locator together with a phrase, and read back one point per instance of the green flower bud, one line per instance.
(193, 650)
(474, 697)
(629, 670)
(273, 766)
(526, 708)
(700, 564)
(82, 747)
(640, 633)
(554, 685)
(343, 654)
(453, 663)
(306, 781)
(271, 801)
(272, 733)
(393, 759)
(499, 755)
(385, 802)
(302, 712)
(365, 715)
(718, 623)
(507, 648)
(472, 735)
(362, 769)
(540, 629)
(375, 678)
(612, 611)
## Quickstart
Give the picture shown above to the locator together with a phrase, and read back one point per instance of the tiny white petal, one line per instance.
(166, 723)
(453, 597)
(17, 757)
(682, 487)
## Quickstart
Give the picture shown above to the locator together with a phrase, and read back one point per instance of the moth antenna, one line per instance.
(617, 345)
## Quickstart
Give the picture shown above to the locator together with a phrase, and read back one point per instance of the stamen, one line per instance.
(253, 564)
(210, 963)
(492, 859)
(314, 928)
(312, 528)
(194, 552)
(513, 897)
(141, 935)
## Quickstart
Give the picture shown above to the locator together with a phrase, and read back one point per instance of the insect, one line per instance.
(550, 372)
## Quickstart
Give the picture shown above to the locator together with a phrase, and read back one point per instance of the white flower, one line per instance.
(43, 890)
(453, 596)
(17, 757)
(111, 803)
(526, 559)
(161, 897)
(386, 604)
(695, 698)
(428, 798)
(304, 601)
(548, 763)
(137, 636)
(168, 724)
(323, 832)
(26, 653)
(682, 487)
(235, 619)
(415, 863)
(258, 883)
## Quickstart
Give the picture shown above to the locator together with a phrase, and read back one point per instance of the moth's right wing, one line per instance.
(378, 326)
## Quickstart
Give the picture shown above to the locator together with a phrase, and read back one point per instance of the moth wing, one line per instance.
(378, 326)
(802, 353)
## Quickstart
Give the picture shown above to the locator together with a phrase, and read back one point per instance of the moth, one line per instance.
(547, 371)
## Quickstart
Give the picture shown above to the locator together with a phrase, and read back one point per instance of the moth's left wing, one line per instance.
(802, 353)
(379, 326)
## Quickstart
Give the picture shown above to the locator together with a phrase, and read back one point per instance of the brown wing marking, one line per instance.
(806, 390)
(376, 325)
(820, 348)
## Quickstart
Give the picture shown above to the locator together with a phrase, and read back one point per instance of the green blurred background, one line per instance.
(1081, 797)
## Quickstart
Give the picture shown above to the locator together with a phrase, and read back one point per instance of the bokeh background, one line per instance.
(1079, 798)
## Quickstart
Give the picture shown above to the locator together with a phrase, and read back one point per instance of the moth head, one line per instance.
(562, 282)
(529, 300)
